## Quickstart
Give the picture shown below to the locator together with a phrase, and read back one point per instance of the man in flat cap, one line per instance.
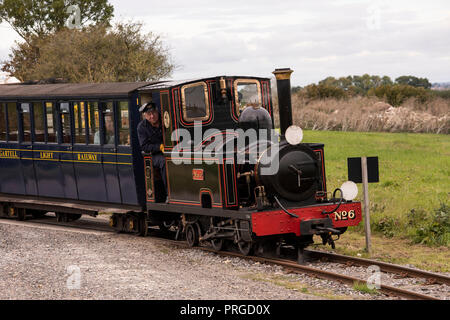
(151, 138)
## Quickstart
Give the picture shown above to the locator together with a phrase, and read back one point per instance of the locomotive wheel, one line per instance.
(192, 235)
(112, 221)
(246, 248)
(143, 227)
(217, 244)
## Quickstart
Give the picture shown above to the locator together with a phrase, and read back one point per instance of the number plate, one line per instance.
(198, 175)
(344, 215)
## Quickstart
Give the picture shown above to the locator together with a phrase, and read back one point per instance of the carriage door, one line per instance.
(88, 152)
(46, 155)
(26, 149)
(65, 146)
(124, 154)
(87, 165)
(109, 151)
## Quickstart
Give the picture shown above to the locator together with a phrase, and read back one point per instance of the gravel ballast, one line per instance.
(38, 263)
(47, 262)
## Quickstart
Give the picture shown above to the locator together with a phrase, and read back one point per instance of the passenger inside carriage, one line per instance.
(151, 139)
(109, 131)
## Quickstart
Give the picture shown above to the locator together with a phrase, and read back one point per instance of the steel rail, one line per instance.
(300, 269)
(384, 266)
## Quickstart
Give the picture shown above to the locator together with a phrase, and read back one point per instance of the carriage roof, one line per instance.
(61, 90)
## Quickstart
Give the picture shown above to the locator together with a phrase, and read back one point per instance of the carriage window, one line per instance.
(39, 127)
(13, 128)
(51, 122)
(248, 93)
(94, 123)
(26, 123)
(80, 122)
(195, 102)
(65, 123)
(109, 136)
(2, 122)
(124, 124)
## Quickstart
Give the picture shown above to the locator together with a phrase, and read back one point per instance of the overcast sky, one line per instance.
(315, 38)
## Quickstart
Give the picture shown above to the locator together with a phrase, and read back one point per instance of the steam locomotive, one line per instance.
(73, 149)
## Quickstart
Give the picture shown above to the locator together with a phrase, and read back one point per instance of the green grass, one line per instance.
(414, 173)
(362, 287)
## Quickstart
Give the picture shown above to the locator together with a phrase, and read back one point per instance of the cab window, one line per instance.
(195, 102)
(247, 93)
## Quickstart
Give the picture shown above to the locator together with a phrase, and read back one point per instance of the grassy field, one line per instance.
(414, 178)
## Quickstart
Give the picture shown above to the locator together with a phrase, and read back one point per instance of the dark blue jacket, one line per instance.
(150, 138)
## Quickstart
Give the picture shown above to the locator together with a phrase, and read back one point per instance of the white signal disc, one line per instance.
(294, 135)
(349, 190)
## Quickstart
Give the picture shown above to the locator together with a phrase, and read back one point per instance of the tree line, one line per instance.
(394, 92)
(92, 51)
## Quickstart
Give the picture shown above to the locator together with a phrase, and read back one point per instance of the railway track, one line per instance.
(291, 266)
(384, 266)
(320, 273)
(323, 274)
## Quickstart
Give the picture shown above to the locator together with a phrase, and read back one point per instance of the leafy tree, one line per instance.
(396, 94)
(38, 18)
(357, 84)
(386, 81)
(323, 91)
(92, 54)
(296, 89)
(414, 81)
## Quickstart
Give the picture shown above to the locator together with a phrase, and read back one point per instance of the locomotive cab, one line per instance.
(195, 115)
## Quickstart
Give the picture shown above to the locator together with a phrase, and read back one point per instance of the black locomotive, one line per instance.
(73, 149)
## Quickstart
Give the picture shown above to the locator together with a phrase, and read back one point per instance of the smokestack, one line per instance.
(284, 97)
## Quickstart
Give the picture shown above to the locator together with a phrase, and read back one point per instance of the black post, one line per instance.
(284, 98)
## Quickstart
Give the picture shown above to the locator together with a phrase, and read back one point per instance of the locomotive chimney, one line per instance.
(284, 98)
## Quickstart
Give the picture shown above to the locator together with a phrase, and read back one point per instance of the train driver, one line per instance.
(151, 139)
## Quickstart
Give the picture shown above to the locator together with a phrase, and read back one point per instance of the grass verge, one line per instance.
(414, 175)
(409, 206)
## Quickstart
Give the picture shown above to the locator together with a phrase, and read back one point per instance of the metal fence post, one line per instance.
(365, 181)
